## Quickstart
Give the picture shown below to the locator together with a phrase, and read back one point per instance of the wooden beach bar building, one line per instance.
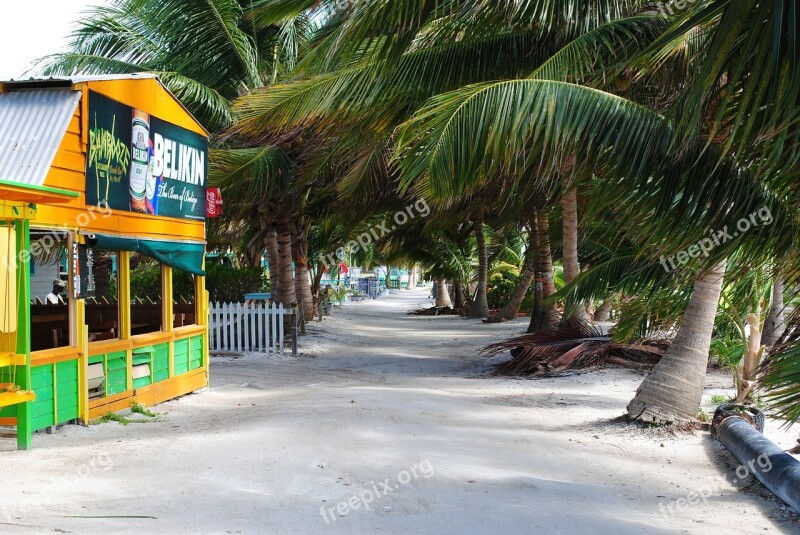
(102, 241)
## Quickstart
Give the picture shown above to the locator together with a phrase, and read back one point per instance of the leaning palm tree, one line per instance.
(376, 63)
(258, 182)
(461, 136)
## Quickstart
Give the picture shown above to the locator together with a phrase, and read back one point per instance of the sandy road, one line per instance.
(387, 424)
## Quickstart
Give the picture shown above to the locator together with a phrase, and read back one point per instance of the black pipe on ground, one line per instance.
(776, 469)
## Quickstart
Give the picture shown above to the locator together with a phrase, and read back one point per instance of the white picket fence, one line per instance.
(258, 327)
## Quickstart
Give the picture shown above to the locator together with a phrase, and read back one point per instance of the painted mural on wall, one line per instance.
(139, 163)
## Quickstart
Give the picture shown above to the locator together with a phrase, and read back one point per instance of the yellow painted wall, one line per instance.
(69, 166)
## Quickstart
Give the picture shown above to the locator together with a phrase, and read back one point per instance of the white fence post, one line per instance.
(281, 324)
(259, 327)
(224, 324)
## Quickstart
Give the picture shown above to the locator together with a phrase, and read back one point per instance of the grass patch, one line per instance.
(140, 409)
(136, 408)
(719, 399)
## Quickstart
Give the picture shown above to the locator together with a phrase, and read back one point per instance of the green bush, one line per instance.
(146, 281)
(501, 288)
(182, 285)
(224, 283)
(727, 350)
(229, 285)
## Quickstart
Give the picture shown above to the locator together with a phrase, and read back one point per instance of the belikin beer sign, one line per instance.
(139, 163)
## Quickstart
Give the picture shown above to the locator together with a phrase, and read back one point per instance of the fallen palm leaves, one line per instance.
(574, 345)
(435, 311)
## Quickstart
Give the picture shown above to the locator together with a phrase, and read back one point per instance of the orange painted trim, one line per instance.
(146, 94)
(151, 394)
(142, 340)
(10, 422)
(51, 356)
(104, 401)
(189, 330)
(78, 216)
(108, 346)
(159, 337)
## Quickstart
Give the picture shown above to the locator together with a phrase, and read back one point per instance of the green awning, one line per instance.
(180, 255)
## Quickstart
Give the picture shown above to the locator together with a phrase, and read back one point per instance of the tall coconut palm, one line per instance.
(259, 186)
(672, 392)
(480, 305)
(775, 323)
(543, 117)
(206, 52)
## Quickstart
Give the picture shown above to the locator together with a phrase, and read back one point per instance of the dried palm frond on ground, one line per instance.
(573, 345)
(434, 311)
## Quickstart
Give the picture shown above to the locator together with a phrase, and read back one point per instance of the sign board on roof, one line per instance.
(139, 163)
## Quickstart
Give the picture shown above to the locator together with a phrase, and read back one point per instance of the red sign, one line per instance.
(213, 202)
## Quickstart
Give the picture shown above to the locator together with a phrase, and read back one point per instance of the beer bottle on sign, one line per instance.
(140, 159)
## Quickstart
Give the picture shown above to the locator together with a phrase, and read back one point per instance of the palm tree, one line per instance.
(259, 183)
(528, 272)
(426, 49)
(688, 119)
(206, 52)
(672, 392)
(775, 323)
(480, 305)
(482, 128)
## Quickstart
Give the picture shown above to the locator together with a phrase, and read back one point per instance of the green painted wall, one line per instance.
(65, 391)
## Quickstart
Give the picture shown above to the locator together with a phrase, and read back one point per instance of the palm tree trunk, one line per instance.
(460, 296)
(604, 311)
(547, 318)
(569, 210)
(511, 309)
(317, 281)
(412, 278)
(572, 267)
(287, 292)
(273, 258)
(776, 321)
(302, 282)
(480, 306)
(674, 389)
(442, 295)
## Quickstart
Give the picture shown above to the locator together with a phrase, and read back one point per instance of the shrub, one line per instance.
(229, 285)
(224, 283)
(501, 287)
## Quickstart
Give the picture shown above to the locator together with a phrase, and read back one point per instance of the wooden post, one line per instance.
(124, 276)
(124, 307)
(166, 299)
(24, 417)
(83, 360)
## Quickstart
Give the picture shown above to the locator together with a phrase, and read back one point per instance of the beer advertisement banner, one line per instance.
(140, 163)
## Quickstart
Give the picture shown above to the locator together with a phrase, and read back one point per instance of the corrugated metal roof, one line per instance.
(52, 82)
(80, 78)
(32, 125)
